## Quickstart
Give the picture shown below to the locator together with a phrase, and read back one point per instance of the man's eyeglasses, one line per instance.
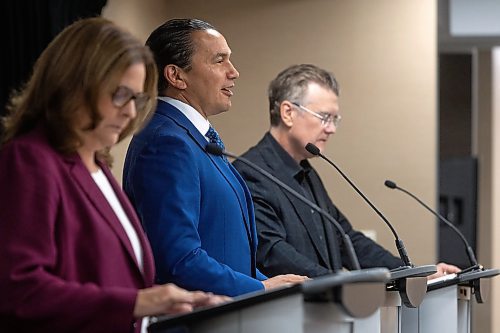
(326, 118)
(123, 95)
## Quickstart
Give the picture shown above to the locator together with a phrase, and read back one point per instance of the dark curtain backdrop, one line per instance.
(29, 26)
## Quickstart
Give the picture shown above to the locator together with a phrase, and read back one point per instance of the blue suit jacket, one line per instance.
(196, 209)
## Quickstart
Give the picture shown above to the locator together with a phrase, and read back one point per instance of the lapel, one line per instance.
(83, 178)
(332, 233)
(303, 211)
(226, 169)
(147, 254)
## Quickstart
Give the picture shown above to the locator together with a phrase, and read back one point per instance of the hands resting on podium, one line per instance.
(170, 299)
(288, 279)
(443, 269)
(283, 280)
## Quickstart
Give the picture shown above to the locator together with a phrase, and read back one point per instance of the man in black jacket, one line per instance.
(293, 238)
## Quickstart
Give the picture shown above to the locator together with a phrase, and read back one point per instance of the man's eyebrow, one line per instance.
(222, 55)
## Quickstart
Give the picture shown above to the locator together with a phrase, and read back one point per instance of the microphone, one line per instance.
(403, 254)
(214, 149)
(470, 253)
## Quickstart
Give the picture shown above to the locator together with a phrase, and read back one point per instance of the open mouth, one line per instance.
(228, 91)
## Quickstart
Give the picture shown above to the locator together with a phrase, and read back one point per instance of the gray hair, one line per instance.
(291, 84)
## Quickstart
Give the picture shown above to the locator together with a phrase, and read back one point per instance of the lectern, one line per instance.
(340, 302)
(447, 304)
(407, 288)
(351, 306)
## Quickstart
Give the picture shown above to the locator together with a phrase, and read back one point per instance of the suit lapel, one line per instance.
(147, 260)
(226, 170)
(331, 231)
(303, 211)
(83, 178)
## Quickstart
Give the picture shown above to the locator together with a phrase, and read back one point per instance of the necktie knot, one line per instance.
(214, 137)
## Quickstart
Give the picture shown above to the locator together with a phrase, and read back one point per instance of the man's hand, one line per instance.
(283, 280)
(444, 269)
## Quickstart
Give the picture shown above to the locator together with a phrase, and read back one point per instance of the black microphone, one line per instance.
(214, 149)
(403, 254)
(470, 253)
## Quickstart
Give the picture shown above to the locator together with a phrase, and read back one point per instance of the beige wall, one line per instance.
(384, 55)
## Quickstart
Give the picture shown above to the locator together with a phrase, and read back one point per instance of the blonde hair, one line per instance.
(84, 61)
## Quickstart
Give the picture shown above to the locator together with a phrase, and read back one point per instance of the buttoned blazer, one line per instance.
(289, 241)
(195, 207)
(67, 264)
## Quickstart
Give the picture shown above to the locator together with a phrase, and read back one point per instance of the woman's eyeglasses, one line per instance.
(123, 95)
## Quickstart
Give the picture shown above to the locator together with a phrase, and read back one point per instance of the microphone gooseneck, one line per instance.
(214, 149)
(470, 252)
(403, 254)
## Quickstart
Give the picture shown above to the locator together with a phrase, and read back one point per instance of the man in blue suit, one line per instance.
(195, 207)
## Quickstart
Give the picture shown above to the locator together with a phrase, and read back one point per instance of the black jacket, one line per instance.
(288, 240)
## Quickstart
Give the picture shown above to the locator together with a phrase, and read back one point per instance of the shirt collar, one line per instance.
(291, 167)
(191, 114)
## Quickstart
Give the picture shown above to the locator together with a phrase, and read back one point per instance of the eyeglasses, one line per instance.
(123, 95)
(326, 118)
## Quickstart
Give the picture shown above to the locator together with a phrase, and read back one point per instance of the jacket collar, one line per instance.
(84, 179)
(226, 169)
(284, 168)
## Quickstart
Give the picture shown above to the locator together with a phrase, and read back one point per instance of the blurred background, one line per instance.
(420, 101)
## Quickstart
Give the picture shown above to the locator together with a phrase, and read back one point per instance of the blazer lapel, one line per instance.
(332, 233)
(224, 168)
(147, 254)
(303, 211)
(99, 201)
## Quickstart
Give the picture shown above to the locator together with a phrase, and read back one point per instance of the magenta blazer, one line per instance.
(66, 263)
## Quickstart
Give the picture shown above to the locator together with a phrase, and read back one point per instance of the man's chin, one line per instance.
(225, 107)
(321, 145)
(219, 111)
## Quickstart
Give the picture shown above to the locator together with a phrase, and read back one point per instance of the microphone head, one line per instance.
(214, 149)
(390, 184)
(313, 149)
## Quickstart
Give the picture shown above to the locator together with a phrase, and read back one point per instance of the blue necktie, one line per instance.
(214, 137)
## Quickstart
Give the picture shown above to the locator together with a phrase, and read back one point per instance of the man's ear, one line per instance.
(286, 113)
(174, 76)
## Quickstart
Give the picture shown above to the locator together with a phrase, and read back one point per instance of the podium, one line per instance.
(340, 302)
(447, 304)
(407, 288)
(345, 302)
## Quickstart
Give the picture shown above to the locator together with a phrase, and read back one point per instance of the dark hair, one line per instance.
(84, 61)
(171, 44)
(291, 84)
